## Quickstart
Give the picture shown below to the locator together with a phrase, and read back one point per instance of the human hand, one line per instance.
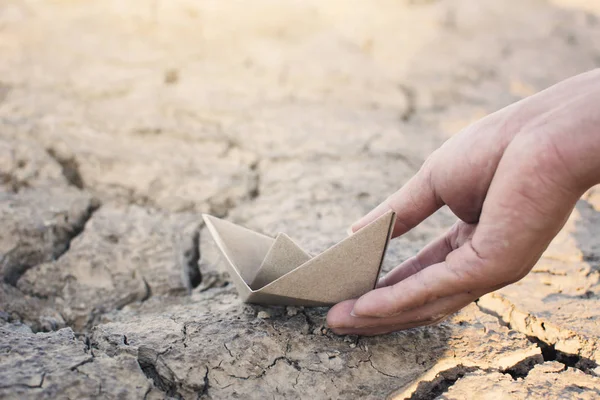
(512, 179)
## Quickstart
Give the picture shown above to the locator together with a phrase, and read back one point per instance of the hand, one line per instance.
(512, 179)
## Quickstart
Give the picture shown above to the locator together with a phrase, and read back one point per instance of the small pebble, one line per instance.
(291, 311)
(263, 315)
(171, 76)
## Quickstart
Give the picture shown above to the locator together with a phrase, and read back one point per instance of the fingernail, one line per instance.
(353, 312)
(349, 231)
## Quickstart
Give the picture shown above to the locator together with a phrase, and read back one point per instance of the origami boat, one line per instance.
(278, 272)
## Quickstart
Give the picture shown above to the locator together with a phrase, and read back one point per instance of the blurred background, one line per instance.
(294, 116)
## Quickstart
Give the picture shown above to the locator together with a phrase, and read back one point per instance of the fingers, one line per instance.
(414, 202)
(342, 322)
(461, 272)
(435, 252)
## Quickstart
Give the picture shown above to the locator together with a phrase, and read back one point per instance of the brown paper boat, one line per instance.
(278, 272)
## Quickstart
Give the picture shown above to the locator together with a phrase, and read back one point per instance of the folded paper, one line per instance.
(277, 271)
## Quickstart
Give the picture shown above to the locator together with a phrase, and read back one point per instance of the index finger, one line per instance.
(414, 202)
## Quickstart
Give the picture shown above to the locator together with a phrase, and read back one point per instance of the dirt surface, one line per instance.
(121, 122)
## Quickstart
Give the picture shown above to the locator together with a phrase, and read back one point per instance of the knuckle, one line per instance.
(429, 161)
(460, 233)
(470, 269)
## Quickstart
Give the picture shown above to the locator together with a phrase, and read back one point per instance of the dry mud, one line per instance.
(120, 122)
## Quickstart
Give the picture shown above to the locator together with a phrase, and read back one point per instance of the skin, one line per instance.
(512, 179)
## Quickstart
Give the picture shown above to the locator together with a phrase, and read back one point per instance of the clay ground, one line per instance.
(122, 121)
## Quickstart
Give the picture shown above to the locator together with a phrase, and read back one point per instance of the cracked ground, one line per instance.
(121, 122)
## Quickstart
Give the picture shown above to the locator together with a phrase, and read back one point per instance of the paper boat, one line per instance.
(278, 272)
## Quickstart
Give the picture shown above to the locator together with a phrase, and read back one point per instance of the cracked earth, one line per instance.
(121, 122)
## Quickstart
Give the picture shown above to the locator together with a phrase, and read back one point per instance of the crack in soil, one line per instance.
(26, 386)
(14, 269)
(70, 168)
(549, 351)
